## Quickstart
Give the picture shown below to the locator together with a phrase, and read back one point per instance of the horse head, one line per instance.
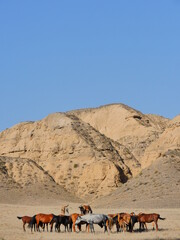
(64, 209)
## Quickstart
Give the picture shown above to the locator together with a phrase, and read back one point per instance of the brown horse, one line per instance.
(44, 219)
(148, 218)
(74, 217)
(25, 219)
(112, 219)
(124, 219)
(85, 209)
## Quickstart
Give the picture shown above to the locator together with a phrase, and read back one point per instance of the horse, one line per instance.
(61, 219)
(25, 219)
(124, 219)
(41, 219)
(85, 209)
(74, 217)
(64, 210)
(100, 219)
(113, 219)
(144, 218)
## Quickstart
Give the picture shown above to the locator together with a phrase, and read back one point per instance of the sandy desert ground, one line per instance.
(11, 227)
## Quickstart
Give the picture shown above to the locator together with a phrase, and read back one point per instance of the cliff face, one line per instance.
(125, 125)
(77, 156)
(88, 153)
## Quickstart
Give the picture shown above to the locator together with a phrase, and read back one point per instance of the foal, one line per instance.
(25, 219)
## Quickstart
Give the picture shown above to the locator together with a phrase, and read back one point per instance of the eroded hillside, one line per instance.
(87, 153)
(125, 125)
(76, 155)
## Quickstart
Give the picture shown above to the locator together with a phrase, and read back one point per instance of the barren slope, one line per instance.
(168, 140)
(75, 155)
(24, 181)
(155, 187)
(90, 153)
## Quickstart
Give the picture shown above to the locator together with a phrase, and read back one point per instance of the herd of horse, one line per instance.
(73, 222)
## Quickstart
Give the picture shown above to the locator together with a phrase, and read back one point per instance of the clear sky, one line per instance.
(61, 55)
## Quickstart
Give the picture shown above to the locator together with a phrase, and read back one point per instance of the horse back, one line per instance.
(148, 217)
(26, 219)
(44, 218)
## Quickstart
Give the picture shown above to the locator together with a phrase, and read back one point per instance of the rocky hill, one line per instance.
(156, 186)
(125, 125)
(87, 153)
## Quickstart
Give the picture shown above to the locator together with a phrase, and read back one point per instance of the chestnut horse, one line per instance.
(124, 219)
(144, 218)
(113, 219)
(41, 220)
(85, 209)
(25, 219)
(74, 217)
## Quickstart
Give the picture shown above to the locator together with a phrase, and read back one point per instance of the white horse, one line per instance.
(100, 219)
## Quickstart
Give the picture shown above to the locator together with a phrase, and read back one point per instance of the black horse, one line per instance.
(61, 219)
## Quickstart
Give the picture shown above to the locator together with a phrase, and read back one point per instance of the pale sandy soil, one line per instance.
(11, 227)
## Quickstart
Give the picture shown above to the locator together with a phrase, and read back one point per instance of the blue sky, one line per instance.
(60, 55)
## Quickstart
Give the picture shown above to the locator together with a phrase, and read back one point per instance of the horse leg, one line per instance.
(24, 226)
(66, 227)
(91, 227)
(117, 226)
(156, 225)
(74, 230)
(140, 224)
(70, 226)
(52, 227)
(146, 226)
(87, 227)
(124, 227)
(37, 226)
(107, 226)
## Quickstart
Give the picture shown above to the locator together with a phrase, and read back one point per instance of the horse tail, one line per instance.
(19, 217)
(161, 218)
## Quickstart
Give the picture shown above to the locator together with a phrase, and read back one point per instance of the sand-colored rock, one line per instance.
(78, 157)
(88, 153)
(125, 125)
(23, 180)
(157, 186)
(168, 140)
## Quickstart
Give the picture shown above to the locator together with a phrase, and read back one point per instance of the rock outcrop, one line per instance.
(76, 155)
(87, 153)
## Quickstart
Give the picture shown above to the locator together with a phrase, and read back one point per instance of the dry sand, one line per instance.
(11, 227)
